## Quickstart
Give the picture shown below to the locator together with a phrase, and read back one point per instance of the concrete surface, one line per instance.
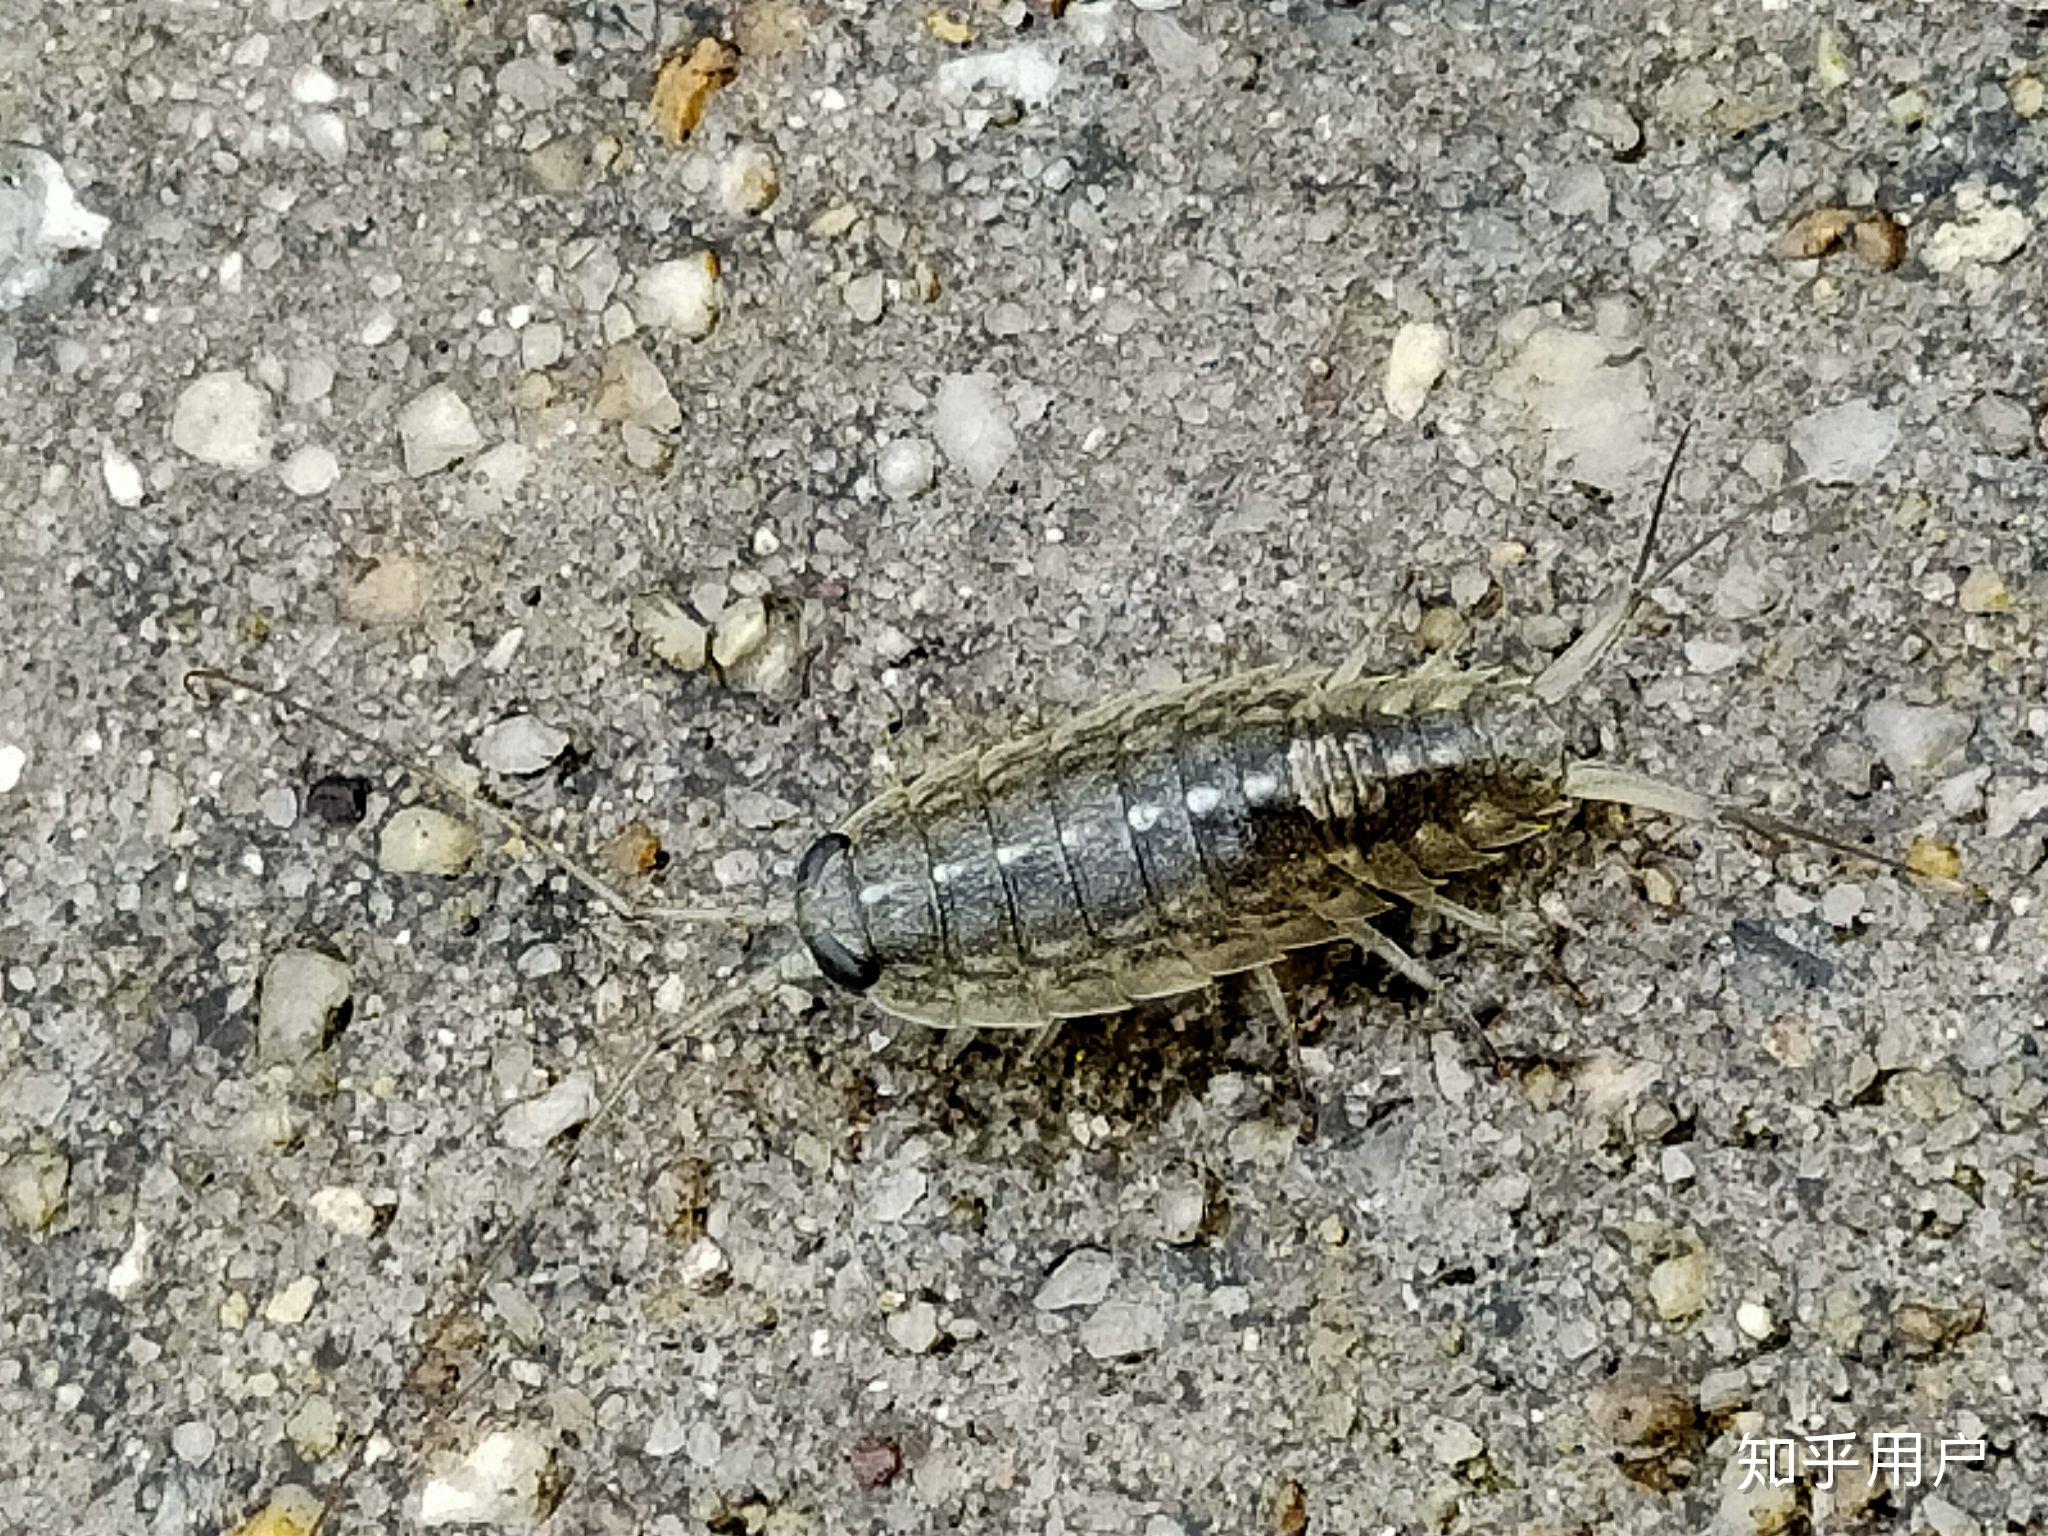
(1765, 1155)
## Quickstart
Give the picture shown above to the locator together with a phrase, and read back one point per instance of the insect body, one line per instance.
(1162, 840)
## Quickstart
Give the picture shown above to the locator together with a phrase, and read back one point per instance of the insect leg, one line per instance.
(1268, 982)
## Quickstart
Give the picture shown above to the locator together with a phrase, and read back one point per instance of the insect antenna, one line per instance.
(749, 987)
(199, 679)
(1564, 676)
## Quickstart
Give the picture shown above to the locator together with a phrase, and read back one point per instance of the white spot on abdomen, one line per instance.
(1143, 818)
(1203, 799)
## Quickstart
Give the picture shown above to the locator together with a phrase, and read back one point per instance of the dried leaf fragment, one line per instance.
(1936, 861)
(687, 82)
(949, 29)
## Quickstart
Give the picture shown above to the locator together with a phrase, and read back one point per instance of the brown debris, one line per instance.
(633, 852)
(876, 1463)
(1937, 861)
(689, 78)
(1925, 1329)
(949, 29)
(1290, 1509)
(1874, 237)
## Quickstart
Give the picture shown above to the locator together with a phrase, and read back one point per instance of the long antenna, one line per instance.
(195, 684)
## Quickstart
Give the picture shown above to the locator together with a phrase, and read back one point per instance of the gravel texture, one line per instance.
(936, 372)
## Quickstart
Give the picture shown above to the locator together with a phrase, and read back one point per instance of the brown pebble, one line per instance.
(1878, 241)
(1874, 237)
(876, 1463)
(1638, 1407)
(1815, 234)
(1290, 1509)
(1925, 1329)
(633, 852)
(689, 78)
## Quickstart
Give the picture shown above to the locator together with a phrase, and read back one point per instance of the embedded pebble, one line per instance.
(223, 419)
(1919, 743)
(1591, 395)
(1454, 1443)
(1755, 1506)
(497, 1483)
(905, 467)
(280, 806)
(1182, 1206)
(2006, 424)
(864, 297)
(390, 592)
(344, 1210)
(13, 760)
(303, 990)
(1754, 1319)
(436, 430)
(124, 480)
(1842, 904)
(741, 630)
(193, 1442)
(671, 634)
(294, 1304)
(132, 1271)
(748, 182)
(1984, 591)
(972, 426)
(422, 841)
(895, 1194)
(633, 391)
(915, 1327)
(32, 1188)
(1983, 233)
(1678, 1286)
(1123, 1330)
(704, 1265)
(314, 1427)
(310, 470)
(1417, 360)
(1027, 74)
(520, 744)
(680, 296)
(43, 228)
(1844, 444)
(531, 1125)
(1082, 1279)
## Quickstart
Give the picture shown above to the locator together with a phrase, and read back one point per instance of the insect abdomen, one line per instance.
(1138, 852)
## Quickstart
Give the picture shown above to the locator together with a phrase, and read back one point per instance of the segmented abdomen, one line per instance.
(1142, 849)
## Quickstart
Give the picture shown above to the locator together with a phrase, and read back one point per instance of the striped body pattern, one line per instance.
(1165, 839)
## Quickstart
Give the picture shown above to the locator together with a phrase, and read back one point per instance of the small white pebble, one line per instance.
(132, 1271)
(679, 296)
(342, 1208)
(1842, 904)
(310, 471)
(905, 467)
(520, 744)
(1754, 1319)
(531, 1125)
(423, 841)
(12, 761)
(1417, 360)
(193, 1442)
(223, 419)
(436, 430)
(312, 86)
(294, 1304)
(497, 1483)
(124, 480)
